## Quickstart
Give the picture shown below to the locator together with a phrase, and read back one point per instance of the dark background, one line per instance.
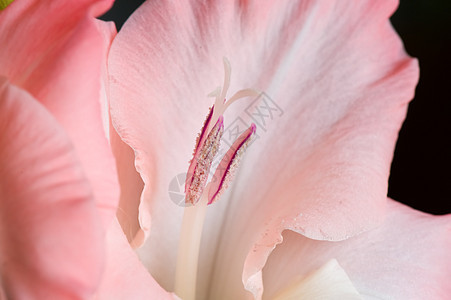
(420, 174)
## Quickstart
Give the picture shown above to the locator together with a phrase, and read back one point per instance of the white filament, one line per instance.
(189, 244)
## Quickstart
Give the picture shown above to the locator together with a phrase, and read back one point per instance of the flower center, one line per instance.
(199, 194)
(207, 146)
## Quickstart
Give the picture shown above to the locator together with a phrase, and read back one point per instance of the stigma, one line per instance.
(207, 146)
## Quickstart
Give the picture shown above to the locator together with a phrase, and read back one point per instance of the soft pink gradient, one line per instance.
(50, 232)
(59, 189)
(54, 50)
(343, 80)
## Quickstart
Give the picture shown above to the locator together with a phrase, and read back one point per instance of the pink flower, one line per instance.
(339, 83)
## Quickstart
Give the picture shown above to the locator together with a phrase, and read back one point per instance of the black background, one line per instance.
(420, 174)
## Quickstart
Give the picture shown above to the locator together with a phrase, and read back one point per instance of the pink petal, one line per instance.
(125, 277)
(54, 50)
(50, 233)
(340, 79)
(407, 257)
(129, 180)
(108, 30)
(131, 188)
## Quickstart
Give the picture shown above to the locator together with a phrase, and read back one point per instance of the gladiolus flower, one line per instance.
(306, 214)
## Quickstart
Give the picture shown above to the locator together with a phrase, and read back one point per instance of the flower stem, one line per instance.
(188, 252)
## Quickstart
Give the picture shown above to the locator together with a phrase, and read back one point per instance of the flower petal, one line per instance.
(54, 50)
(131, 189)
(336, 82)
(328, 282)
(125, 277)
(130, 182)
(407, 257)
(50, 233)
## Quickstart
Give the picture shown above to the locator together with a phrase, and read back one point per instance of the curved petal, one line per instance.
(54, 50)
(125, 277)
(407, 257)
(108, 30)
(131, 188)
(336, 83)
(328, 282)
(51, 244)
(129, 180)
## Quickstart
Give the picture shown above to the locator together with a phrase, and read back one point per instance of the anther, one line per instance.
(207, 147)
(228, 165)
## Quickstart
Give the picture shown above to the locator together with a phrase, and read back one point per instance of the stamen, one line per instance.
(196, 189)
(203, 133)
(188, 252)
(207, 142)
(226, 168)
(206, 150)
